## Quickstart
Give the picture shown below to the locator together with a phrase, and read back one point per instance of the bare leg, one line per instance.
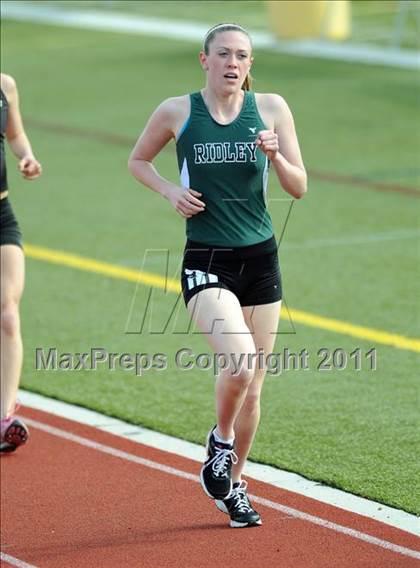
(219, 316)
(12, 281)
(263, 321)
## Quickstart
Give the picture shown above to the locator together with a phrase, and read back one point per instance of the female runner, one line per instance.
(227, 137)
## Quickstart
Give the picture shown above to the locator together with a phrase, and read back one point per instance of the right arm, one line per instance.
(160, 128)
(15, 132)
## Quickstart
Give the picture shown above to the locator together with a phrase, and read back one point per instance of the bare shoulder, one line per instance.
(175, 107)
(272, 103)
(8, 85)
(174, 112)
(274, 110)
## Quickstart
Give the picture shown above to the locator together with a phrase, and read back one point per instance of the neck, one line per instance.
(224, 102)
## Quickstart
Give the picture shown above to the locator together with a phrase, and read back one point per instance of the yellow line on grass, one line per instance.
(99, 267)
(150, 279)
(345, 328)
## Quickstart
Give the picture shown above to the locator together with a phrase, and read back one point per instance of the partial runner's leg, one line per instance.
(13, 431)
(12, 281)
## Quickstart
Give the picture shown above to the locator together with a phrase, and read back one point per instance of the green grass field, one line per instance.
(350, 252)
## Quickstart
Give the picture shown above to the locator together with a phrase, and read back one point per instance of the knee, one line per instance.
(242, 377)
(252, 401)
(9, 318)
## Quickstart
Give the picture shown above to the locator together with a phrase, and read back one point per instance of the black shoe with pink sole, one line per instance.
(14, 433)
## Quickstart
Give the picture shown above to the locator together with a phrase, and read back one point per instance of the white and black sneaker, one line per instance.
(216, 473)
(239, 508)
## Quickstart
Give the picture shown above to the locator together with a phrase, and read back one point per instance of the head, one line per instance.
(227, 57)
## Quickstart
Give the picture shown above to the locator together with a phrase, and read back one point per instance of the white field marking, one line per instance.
(289, 511)
(270, 475)
(195, 31)
(15, 561)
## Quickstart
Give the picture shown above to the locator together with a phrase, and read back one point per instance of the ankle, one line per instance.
(225, 437)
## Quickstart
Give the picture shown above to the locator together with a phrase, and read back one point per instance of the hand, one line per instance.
(30, 167)
(186, 201)
(267, 142)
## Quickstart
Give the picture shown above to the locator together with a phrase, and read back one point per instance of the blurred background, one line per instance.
(89, 75)
(380, 22)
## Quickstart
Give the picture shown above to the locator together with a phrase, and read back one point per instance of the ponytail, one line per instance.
(247, 84)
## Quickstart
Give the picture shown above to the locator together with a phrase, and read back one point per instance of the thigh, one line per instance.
(12, 273)
(217, 313)
(262, 321)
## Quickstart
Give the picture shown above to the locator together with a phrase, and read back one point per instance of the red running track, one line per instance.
(67, 505)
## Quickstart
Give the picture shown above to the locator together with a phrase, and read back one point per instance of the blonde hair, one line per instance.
(219, 28)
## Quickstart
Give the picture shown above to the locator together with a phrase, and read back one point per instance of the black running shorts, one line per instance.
(252, 273)
(10, 233)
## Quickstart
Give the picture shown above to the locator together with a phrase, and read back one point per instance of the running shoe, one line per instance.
(13, 433)
(216, 473)
(239, 508)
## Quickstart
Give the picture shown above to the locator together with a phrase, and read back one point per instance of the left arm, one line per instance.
(281, 147)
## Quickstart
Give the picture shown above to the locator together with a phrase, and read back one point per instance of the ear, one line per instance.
(203, 60)
(251, 62)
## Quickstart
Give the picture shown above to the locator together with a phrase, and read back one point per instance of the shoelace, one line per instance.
(220, 461)
(241, 498)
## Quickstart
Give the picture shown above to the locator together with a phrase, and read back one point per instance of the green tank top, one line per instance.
(224, 164)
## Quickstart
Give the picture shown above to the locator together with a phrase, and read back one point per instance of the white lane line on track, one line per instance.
(402, 550)
(268, 474)
(195, 31)
(15, 561)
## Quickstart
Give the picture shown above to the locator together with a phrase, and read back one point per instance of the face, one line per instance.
(228, 62)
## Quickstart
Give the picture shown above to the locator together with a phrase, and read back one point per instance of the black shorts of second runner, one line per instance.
(10, 233)
(252, 273)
